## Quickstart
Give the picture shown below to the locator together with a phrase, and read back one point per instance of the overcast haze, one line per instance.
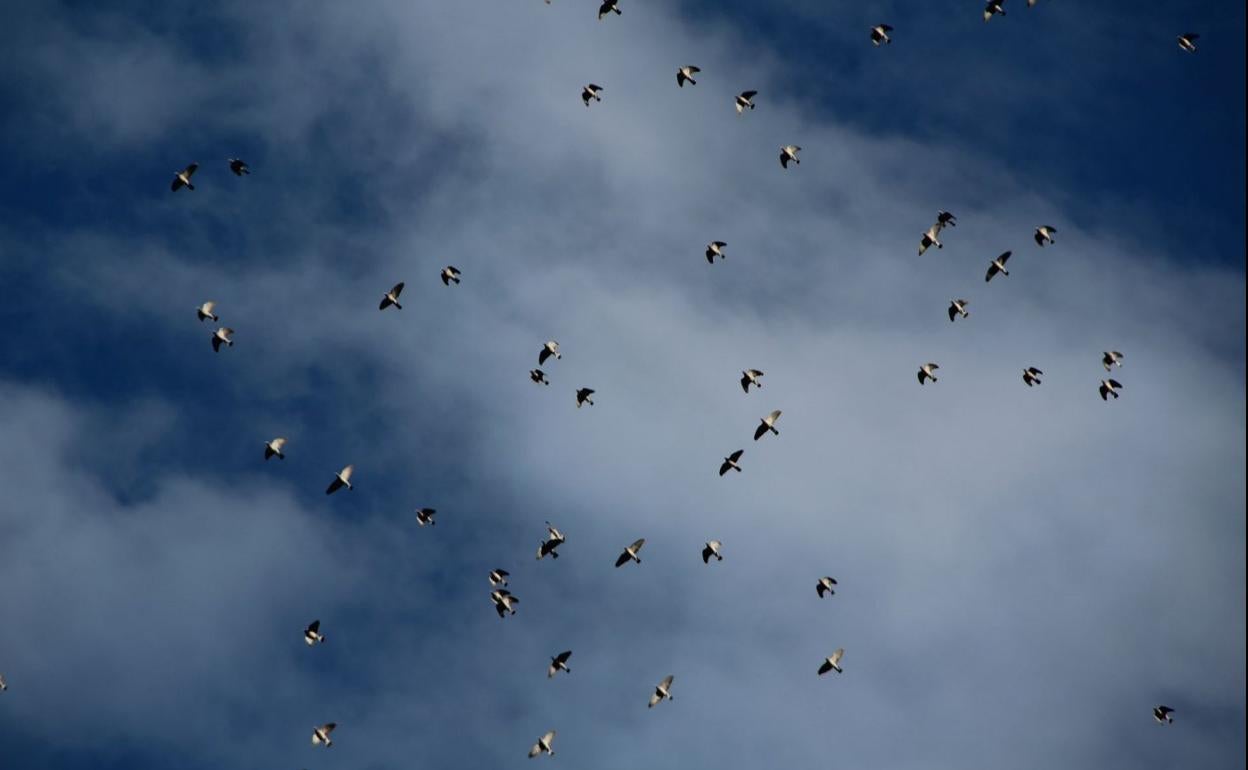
(1024, 572)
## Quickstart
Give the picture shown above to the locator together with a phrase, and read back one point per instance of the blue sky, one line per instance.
(1024, 572)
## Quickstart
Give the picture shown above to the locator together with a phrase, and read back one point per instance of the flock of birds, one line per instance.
(503, 600)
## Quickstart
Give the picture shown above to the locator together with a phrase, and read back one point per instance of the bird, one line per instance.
(1044, 235)
(392, 297)
(583, 397)
(715, 249)
(559, 663)
(945, 219)
(879, 34)
(685, 74)
(1031, 376)
(608, 6)
(789, 153)
(551, 348)
(926, 372)
(767, 423)
(3, 684)
(998, 266)
(630, 553)
(731, 462)
(312, 634)
(993, 8)
(341, 479)
(1162, 714)
(183, 178)
(239, 167)
(222, 336)
(590, 93)
(504, 602)
(274, 448)
(711, 549)
(425, 516)
(450, 273)
(544, 743)
(745, 101)
(661, 691)
(498, 577)
(320, 735)
(538, 376)
(1111, 359)
(1109, 388)
(750, 377)
(957, 308)
(825, 586)
(205, 311)
(554, 538)
(1187, 41)
(832, 662)
(931, 238)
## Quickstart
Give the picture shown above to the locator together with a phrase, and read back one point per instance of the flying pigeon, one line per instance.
(554, 538)
(607, 6)
(205, 311)
(559, 663)
(685, 74)
(1031, 376)
(538, 376)
(1044, 235)
(450, 273)
(825, 586)
(239, 167)
(1187, 41)
(222, 336)
(1162, 714)
(274, 448)
(957, 308)
(498, 577)
(504, 602)
(931, 238)
(312, 634)
(544, 743)
(341, 479)
(731, 462)
(1109, 388)
(879, 34)
(715, 249)
(661, 691)
(583, 397)
(630, 553)
(183, 178)
(789, 153)
(750, 377)
(993, 8)
(711, 549)
(1111, 359)
(767, 423)
(425, 516)
(745, 101)
(392, 297)
(551, 348)
(590, 93)
(926, 372)
(832, 662)
(320, 735)
(998, 266)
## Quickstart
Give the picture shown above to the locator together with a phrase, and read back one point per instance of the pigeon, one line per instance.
(544, 743)
(832, 662)
(538, 376)
(450, 273)
(498, 577)
(731, 462)
(1031, 376)
(425, 516)
(341, 479)
(925, 372)
(1044, 235)
(767, 423)
(392, 297)
(590, 93)
(750, 377)
(1162, 714)
(685, 74)
(183, 178)
(205, 311)
(1109, 388)
(312, 634)
(274, 448)
(608, 6)
(879, 34)
(661, 691)
(715, 249)
(789, 153)
(1111, 359)
(711, 549)
(931, 238)
(630, 553)
(1187, 41)
(551, 348)
(998, 266)
(559, 663)
(583, 397)
(554, 538)
(504, 602)
(222, 336)
(3, 684)
(825, 586)
(745, 101)
(993, 8)
(945, 219)
(957, 308)
(320, 735)
(239, 167)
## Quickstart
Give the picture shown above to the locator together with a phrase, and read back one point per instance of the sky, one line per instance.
(1023, 572)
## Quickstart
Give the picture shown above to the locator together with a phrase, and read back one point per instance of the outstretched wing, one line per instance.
(623, 559)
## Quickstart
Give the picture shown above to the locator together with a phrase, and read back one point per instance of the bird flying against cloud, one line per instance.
(998, 266)
(685, 75)
(631, 553)
(205, 311)
(392, 297)
(745, 101)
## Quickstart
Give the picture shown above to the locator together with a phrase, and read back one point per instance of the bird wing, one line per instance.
(784, 160)
(886, 28)
(1005, 257)
(748, 95)
(346, 472)
(541, 357)
(623, 559)
(825, 668)
(314, 626)
(563, 656)
(1115, 383)
(760, 430)
(397, 290)
(654, 699)
(334, 486)
(190, 170)
(216, 343)
(736, 455)
(278, 443)
(666, 684)
(637, 544)
(724, 468)
(537, 747)
(992, 270)
(745, 383)
(953, 311)
(706, 554)
(771, 418)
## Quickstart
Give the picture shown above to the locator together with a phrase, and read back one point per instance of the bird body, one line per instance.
(609, 6)
(715, 249)
(583, 397)
(559, 663)
(504, 602)
(826, 585)
(425, 516)
(750, 377)
(931, 238)
(544, 744)
(498, 577)
(554, 538)
(239, 167)
(538, 376)
(1044, 235)
(993, 8)
(1110, 359)
(1109, 388)
(551, 348)
(879, 34)
(591, 93)
(1162, 714)
(320, 735)
(766, 424)
(450, 274)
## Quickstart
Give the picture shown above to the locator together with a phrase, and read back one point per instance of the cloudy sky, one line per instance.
(1024, 572)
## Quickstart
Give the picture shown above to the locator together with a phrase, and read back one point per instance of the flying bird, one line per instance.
(630, 553)
(392, 297)
(498, 577)
(205, 311)
(1187, 41)
(583, 397)
(183, 178)
(608, 6)
(559, 663)
(767, 423)
(715, 249)
(551, 348)
(544, 743)
(1031, 376)
(993, 8)
(750, 377)
(3, 684)
(222, 336)
(312, 634)
(538, 376)
(274, 448)
(662, 691)
(926, 372)
(826, 585)
(711, 549)
(1109, 388)
(239, 167)
(1044, 235)
(1111, 359)
(1162, 714)
(945, 219)
(685, 74)
(998, 266)
(341, 479)
(590, 93)
(879, 34)
(745, 101)
(931, 238)
(425, 516)
(832, 662)
(957, 308)
(789, 153)
(450, 273)
(504, 602)
(554, 538)
(731, 462)
(320, 735)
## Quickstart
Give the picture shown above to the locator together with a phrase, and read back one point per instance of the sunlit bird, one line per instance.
(222, 337)
(392, 297)
(1187, 41)
(559, 663)
(498, 577)
(554, 538)
(750, 377)
(274, 448)
(425, 516)
(766, 424)
(205, 311)
(730, 462)
(998, 266)
(504, 602)
(993, 8)
(312, 634)
(551, 348)
(341, 479)
(715, 249)
(1110, 359)
(591, 93)
(745, 101)
(1044, 235)
(826, 585)
(183, 178)
(957, 308)
(685, 75)
(879, 34)
(832, 662)
(631, 553)
(711, 549)
(545, 743)
(450, 274)
(1109, 388)
(789, 153)
(662, 691)
(926, 372)
(320, 735)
